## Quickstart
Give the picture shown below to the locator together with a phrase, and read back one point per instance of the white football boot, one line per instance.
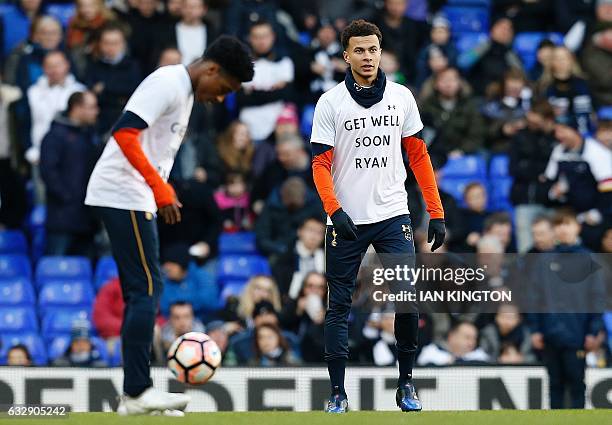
(152, 400)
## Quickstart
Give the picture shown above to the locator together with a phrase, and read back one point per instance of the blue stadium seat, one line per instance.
(32, 341)
(38, 233)
(473, 166)
(467, 41)
(241, 267)
(17, 292)
(60, 293)
(13, 242)
(62, 268)
(59, 321)
(232, 288)
(526, 45)
(455, 186)
(13, 266)
(481, 3)
(306, 121)
(106, 269)
(237, 243)
(499, 166)
(499, 194)
(467, 18)
(62, 12)
(115, 355)
(18, 319)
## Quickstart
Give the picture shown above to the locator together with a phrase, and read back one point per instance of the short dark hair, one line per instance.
(261, 22)
(497, 218)
(23, 348)
(543, 108)
(75, 99)
(541, 219)
(564, 215)
(359, 28)
(233, 56)
(180, 303)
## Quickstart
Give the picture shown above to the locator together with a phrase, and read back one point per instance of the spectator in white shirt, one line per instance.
(460, 347)
(192, 34)
(48, 96)
(261, 99)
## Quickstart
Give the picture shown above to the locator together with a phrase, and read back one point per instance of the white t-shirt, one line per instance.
(164, 101)
(367, 170)
(191, 41)
(594, 153)
(261, 119)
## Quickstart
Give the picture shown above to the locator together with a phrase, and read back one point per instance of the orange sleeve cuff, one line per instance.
(420, 163)
(127, 139)
(321, 172)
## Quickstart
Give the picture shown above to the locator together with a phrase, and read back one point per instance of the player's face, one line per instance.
(212, 84)
(363, 55)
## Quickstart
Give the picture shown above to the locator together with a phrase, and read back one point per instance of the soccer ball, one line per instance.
(193, 358)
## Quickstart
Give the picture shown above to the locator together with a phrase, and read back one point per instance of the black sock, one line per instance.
(336, 369)
(406, 361)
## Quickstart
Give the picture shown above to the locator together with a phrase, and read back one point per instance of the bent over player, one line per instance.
(359, 130)
(129, 186)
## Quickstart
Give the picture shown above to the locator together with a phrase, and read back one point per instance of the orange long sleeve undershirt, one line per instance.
(321, 173)
(420, 163)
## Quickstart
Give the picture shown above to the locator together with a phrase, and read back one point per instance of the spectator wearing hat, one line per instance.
(440, 44)
(184, 281)
(81, 352)
(18, 355)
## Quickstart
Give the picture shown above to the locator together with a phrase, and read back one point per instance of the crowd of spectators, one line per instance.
(245, 164)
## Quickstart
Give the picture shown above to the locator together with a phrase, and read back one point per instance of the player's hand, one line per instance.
(343, 225)
(436, 233)
(167, 203)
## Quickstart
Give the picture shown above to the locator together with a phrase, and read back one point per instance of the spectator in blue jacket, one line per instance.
(184, 281)
(16, 22)
(565, 333)
(68, 154)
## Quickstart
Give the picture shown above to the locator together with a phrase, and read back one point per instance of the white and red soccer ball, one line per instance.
(193, 358)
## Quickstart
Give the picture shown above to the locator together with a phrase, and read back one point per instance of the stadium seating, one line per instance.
(14, 266)
(481, 3)
(17, 292)
(74, 293)
(306, 121)
(37, 230)
(499, 194)
(241, 267)
(32, 341)
(62, 12)
(465, 166)
(237, 243)
(62, 268)
(13, 242)
(467, 41)
(106, 269)
(467, 18)
(499, 166)
(526, 45)
(59, 321)
(17, 320)
(231, 289)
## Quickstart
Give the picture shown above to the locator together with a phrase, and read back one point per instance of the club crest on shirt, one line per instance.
(334, 242)
(407, 231)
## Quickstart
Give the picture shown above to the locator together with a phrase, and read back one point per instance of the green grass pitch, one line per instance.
(498, 417)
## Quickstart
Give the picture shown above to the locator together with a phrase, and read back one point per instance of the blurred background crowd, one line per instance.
(515, 96)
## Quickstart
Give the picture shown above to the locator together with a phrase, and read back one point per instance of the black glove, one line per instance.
(436, 233)
(344, 225)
